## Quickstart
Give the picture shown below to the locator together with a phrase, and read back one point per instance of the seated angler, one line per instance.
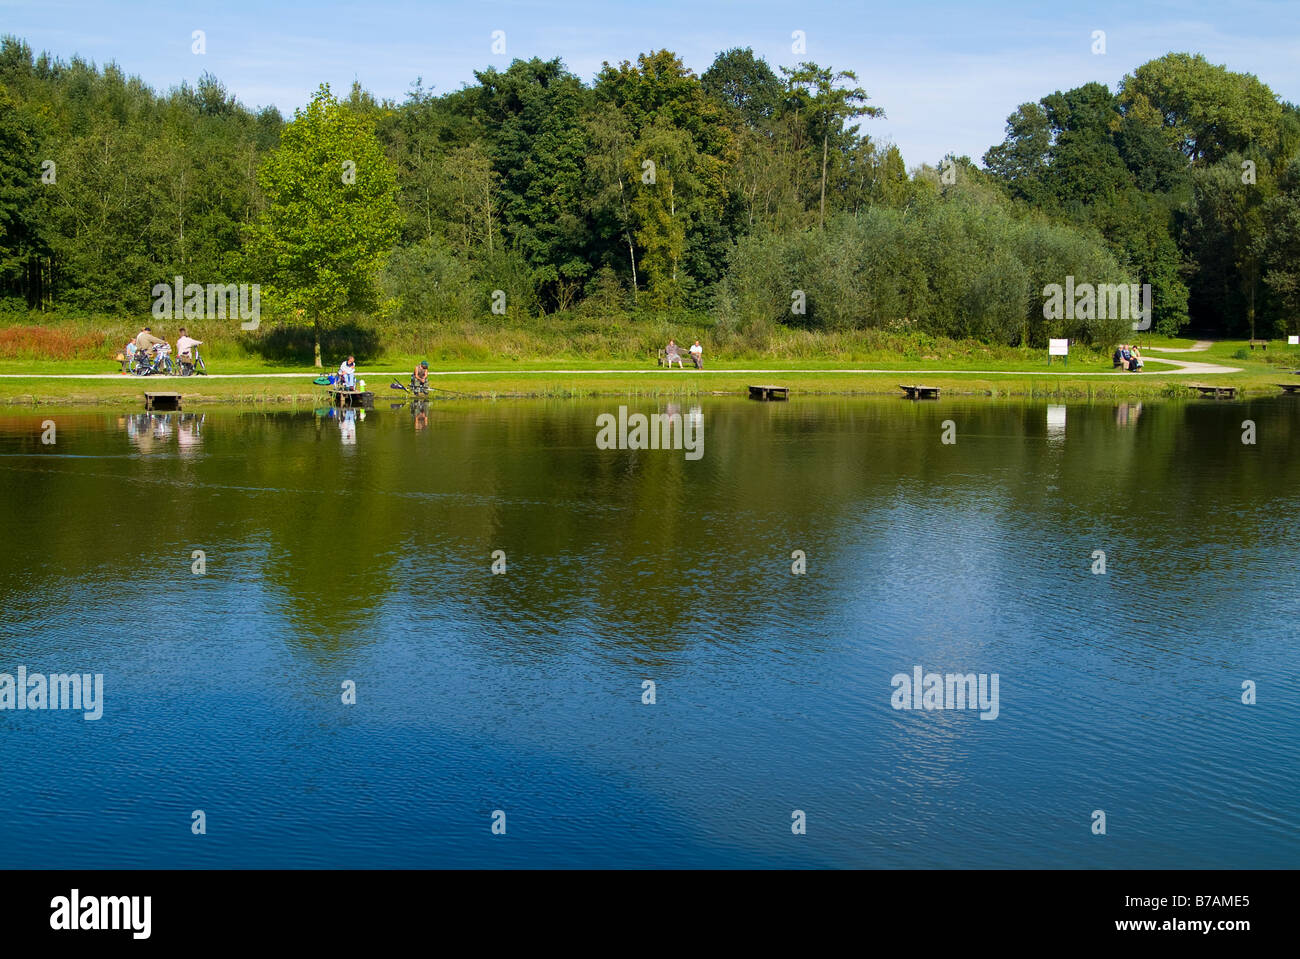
(348, 373)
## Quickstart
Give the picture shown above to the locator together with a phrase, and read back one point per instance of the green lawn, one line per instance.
(127, 392)
(1001, 371)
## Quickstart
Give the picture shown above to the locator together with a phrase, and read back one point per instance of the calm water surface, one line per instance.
(361, 549)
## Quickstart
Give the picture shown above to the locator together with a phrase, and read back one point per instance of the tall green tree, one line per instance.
(1205, 110)
(818, 94)
(21, 243)
(331, 213)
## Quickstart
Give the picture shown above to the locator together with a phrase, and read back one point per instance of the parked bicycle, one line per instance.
(151, 362)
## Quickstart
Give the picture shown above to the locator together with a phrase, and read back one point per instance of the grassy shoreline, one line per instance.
(127, 392)
(973, 369)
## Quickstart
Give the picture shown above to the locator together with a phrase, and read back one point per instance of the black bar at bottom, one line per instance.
(336, 908)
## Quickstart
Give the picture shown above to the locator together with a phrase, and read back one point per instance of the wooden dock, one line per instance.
(352, 399)
(1218, 392)
(769, 392)
(920, 392)
(1290, 389)
(162, 401)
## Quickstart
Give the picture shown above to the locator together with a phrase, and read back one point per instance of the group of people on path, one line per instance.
(673, 352)
(154, 347)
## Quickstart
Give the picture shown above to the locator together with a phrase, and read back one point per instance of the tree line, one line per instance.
(754, 194)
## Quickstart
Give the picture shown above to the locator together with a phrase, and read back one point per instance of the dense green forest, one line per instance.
(751, 194)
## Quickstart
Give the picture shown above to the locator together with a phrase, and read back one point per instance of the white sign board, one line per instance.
(1058, 347)
(1293, 341)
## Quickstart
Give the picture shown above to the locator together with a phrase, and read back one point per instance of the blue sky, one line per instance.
(946, 73)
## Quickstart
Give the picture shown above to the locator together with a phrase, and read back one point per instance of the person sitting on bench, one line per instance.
(671, 353)
(697, 355)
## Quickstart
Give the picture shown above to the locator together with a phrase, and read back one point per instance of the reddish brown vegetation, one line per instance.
(39, 342)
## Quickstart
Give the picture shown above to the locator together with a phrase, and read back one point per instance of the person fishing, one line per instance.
(420, 378)
(348, 373)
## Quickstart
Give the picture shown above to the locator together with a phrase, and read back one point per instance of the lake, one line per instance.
(237, 578)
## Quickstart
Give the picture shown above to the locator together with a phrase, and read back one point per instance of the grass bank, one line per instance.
(583, 356)
(86, 345)
(289, 392)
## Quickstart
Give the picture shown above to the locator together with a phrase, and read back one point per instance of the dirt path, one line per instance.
(1200, 346)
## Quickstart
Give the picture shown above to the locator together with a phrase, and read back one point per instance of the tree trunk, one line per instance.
(315, 328)
(631, 253)
(821, 217)
(1252, 303)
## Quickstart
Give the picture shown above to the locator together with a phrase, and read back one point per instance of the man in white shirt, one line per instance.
(348, 373)
(185, 343)
(697, 355)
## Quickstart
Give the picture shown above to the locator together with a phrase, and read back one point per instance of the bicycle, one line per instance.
(189, 366)
(151, 362)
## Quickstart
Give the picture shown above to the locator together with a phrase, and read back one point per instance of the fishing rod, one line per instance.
(406, 389)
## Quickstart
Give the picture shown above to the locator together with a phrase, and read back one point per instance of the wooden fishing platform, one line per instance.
(920, 392)
(1290, 389)
(1218, 392)
(162, 401)
(352, 399)
(769, 392)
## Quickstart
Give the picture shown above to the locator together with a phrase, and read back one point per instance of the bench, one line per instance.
(662, 358)
(1262, 344)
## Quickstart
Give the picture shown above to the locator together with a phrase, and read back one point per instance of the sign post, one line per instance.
(1058, 348)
